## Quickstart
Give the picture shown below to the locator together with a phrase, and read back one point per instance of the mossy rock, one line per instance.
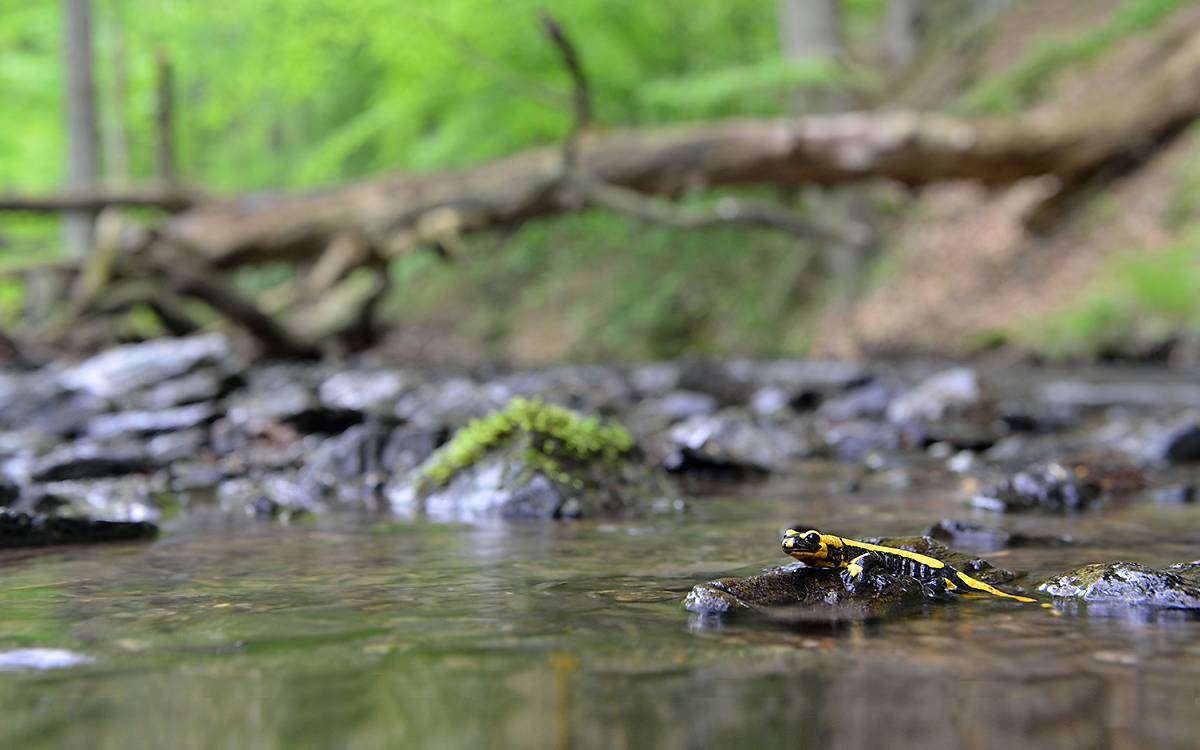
(533, 460)
(795, 593)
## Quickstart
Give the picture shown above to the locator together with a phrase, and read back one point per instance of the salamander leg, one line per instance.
(941, 588)
(860, 568)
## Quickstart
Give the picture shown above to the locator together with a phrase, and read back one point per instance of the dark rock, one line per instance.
(86, 460)
(1131, 584)
(287, 395)
(956, 393)
(448, 404)
(36, 403)
(588, 388)
(372, 391)
(1177, 443)
(125, 498)
(733, 439)
(358, 463)
(33, 530)
(1083, 394)
(1177, 495)
(127, 368)
(798, 593)
(659, 412)
(655, 379)
(204, 384)
(717, 379)
(1060, 486)
(800, 385)
(855, 440)
(869, 401)
(10, 492)
(975, 537)
(150, 422)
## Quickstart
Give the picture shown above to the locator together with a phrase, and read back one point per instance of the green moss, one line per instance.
(551, 435)
(1026, 83)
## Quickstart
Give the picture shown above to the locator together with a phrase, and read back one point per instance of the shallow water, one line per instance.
(348, 633)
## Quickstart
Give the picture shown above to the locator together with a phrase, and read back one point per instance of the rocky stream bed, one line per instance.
(350, 496)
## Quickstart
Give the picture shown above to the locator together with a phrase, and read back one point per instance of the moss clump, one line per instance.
(552, 436)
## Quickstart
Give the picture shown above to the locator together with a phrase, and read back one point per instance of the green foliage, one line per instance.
(1142, 299)
(1026, 83)
(551, 435)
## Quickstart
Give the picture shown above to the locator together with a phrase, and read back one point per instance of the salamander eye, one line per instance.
(812, 537)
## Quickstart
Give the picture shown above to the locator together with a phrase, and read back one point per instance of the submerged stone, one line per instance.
(530, 460)
(1128, 583)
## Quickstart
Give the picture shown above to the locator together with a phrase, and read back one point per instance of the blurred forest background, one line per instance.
(286, 95)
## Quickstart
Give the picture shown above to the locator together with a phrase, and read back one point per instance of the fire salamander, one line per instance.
(859, 558)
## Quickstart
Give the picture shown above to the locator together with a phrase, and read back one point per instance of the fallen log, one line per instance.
(914, 148)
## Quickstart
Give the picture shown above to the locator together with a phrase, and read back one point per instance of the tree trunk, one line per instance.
(810, 29)
(116, 134)
(164, 119)
(902, 32)
(82, 161)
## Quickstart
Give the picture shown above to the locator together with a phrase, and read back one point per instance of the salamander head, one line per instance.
(811, 547)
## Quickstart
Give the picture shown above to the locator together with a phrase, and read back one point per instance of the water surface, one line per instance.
(346, 632)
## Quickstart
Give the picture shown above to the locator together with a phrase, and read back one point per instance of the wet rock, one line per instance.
(126, 498)
(124, 369)
(1059, 486)
(857, 439)
(591, 389)
(801, 385)
(733, 439)
(287, 396)
(370, 391)
(655, 379)
(869, 401)
(729, 385)
(794, 592)
(36, 403)
(659, 412)
(983, 538)
(1176, 443)
(1127, 583)
(277, 494)
(86, 459)
(1084, 394)
(956, 393)
(531, 461)
(358, 463)
(204, 384)
(1179, 494)
(34, 530)
(151, 422)
(798, 593)
(448, 404)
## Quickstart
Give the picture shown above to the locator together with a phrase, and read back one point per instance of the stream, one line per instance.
(349, 631)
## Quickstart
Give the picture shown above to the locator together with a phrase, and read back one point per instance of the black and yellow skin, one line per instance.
(858, 559)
